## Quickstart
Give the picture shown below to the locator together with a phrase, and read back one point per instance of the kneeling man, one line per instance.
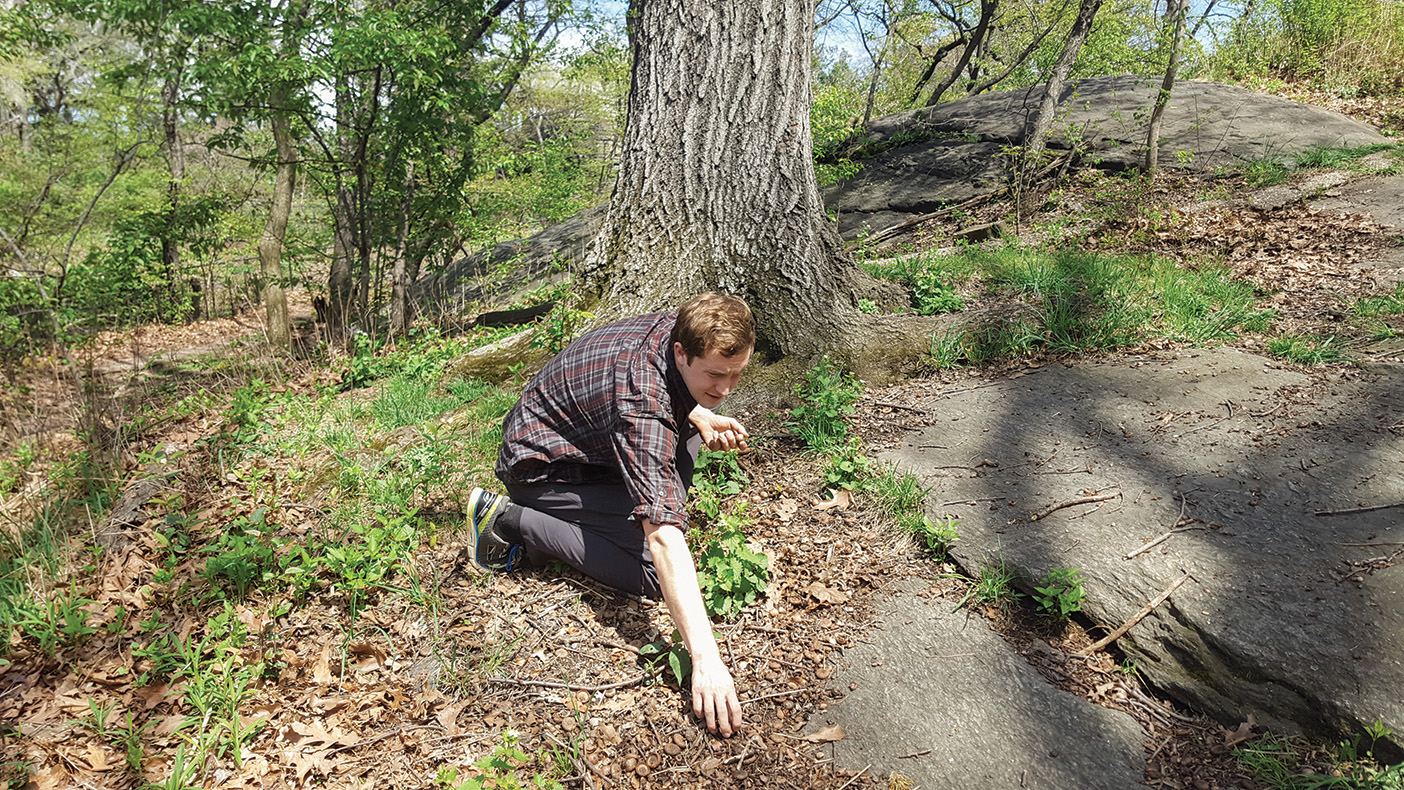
(597, 458)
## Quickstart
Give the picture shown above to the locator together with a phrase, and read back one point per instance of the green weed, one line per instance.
(670, 655)
(730, 574)
(1060, 592)
(827, 395)
(1281, 763)
(409, 401)
(1325, 156)
(993, 586)
(932, 295)
(846, 467)
(1264, 173)
(717, 477)
(507, 767)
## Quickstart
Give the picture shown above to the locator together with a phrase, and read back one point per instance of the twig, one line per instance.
(886, 404)
(379, 738)
(1338, 544)
(772, 696)
(581, 764)
(1228, 404)
(1082, 500)
(551, 684)
(1364, 509)
(1135, 618)
(913, 754)
(970, 501)
(1166, 536)
(896, 230)
(855, 776)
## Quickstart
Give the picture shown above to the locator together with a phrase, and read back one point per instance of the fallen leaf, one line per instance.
(369, 657)
(825, 735)
(1241, 734)
(824, 594)
(839, 498)
(321, 673)
(786, 508)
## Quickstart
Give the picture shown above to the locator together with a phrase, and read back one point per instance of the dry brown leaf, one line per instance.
(786, 508)
(369, 657)
(825, 735)
(321, 673)
(1241, 734)
(839, 498)
(824, 594)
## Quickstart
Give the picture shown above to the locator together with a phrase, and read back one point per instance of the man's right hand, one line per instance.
(714, 697)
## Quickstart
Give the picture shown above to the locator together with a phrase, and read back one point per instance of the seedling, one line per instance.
(670, 655)
(1060, 592)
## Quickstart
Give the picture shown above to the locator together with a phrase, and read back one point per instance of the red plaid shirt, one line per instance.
(611, 406)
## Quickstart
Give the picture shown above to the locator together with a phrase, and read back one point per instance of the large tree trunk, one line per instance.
(716, 187)
(1177, 12)
(270, 247)
(1037, 135)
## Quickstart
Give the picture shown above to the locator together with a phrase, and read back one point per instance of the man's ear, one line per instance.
(679, 355)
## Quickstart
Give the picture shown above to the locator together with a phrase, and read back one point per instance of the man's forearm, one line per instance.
(677, 578)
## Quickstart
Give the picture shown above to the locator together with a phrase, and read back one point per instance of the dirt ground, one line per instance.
(555, 658)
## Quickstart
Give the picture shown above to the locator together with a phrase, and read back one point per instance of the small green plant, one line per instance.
(993, 586)
(1379, 306)
(718, 475)
(730, 574)
(668, 655)
(827, 395)
(932, 295)
(1282, 763)
(1307, 351)
(507, 767)
(846, 467)
(61, 620)
(1060, 592)
(1264, 173)
(559, 327)
(938, 536)
(867, 306)
(124, 737)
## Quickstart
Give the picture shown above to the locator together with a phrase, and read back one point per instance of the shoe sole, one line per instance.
(474, 500)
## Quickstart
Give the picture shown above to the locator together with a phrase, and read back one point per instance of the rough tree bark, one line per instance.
(716, 186)
(1037, 136)
(1176, 14)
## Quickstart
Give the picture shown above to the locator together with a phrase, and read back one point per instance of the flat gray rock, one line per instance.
(1206, 125)
(948, 703)
(1293, 614)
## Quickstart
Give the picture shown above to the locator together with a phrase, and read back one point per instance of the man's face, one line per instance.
(711, 376)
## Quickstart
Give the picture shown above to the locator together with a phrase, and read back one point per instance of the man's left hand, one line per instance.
(719, 433)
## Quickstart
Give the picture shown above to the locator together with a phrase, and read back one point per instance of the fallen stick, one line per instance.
(855, 776)
(1364, 509)
(1082, 500)
(1135, 618)
(551, 684)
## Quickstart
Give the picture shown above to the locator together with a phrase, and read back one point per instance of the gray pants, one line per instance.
(591, 528)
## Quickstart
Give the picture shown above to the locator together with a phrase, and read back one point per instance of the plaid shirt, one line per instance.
(611, 406)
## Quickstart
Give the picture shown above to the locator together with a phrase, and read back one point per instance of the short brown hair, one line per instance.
(714, 321)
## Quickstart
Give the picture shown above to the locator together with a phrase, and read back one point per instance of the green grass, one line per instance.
(1381, 306)
(1277, 763)
(1307, 350)
(1324, 156)
(1083, 302)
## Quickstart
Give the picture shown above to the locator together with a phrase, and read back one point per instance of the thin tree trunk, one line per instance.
(1037, 137)
(170, 245)
(401, 309)
(987, 12)
(270, 246)
(716, 186)
(340, 282)
(1177, 12)
(932, 64)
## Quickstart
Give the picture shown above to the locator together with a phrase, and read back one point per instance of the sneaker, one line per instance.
(490, 550)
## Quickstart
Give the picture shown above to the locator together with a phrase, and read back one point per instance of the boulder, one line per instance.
(1294, 610)
(947, 154)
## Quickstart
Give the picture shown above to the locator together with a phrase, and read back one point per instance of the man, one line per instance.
(597, 457)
